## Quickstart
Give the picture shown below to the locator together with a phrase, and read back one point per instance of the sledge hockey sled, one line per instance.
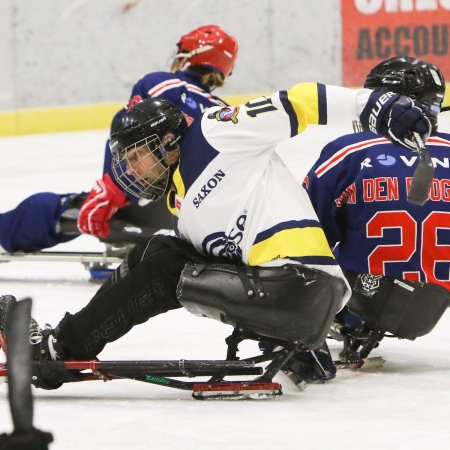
(129, 226)
(390, 308)
(246, 298)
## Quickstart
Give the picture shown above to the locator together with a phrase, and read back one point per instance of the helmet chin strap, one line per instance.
(194, 52)
(163, 151)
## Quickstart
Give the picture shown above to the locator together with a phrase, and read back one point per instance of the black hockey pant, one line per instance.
(143, 286)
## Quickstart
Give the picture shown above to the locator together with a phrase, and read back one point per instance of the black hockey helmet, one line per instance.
(141, 142)
(412, 77)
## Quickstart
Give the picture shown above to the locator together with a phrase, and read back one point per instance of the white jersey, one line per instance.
(236, 198)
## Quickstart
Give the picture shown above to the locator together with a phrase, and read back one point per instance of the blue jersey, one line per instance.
(183, 88)
(358, 188)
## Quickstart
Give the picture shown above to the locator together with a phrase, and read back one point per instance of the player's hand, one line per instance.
(395, 117)
(99, 206)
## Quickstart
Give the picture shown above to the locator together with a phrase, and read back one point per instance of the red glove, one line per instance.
(99, 206)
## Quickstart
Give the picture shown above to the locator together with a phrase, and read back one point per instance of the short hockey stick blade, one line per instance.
(423, 175)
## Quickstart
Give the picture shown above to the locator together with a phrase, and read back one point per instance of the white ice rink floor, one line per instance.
(404, 405)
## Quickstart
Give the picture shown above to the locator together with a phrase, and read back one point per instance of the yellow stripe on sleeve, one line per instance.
(305, 102)
(294, 243)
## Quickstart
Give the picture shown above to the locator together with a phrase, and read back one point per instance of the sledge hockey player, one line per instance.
(236, 203)
(395, 254)
(205, 58)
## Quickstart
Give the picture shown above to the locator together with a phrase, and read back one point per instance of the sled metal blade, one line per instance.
(237, 391)
(81, 257)
(368, 363)
(19, 365)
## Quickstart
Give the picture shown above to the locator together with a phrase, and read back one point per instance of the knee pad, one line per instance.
(290, 303)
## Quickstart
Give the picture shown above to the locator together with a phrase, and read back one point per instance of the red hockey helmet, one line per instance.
(209, 46)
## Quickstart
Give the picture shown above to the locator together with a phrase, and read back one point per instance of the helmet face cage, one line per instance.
(412, 77)
(146, 134)
(140, 168)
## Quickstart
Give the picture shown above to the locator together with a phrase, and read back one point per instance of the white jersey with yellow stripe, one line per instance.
(236, 198)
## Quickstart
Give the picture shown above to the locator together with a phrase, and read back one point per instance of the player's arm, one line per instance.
(262, 123)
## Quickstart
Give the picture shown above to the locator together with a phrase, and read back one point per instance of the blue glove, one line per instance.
(395, 117)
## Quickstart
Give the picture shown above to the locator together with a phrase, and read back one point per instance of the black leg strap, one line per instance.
(232, 342)
(242, 272)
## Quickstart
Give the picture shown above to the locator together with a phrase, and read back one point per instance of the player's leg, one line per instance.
(35, 223)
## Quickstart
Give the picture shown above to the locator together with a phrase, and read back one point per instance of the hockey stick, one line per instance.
(160, 373)
(24, 436)
(423, 175)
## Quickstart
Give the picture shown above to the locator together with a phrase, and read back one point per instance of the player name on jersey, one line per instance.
(384, 189)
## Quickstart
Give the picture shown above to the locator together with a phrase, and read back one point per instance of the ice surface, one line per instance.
(404, 405)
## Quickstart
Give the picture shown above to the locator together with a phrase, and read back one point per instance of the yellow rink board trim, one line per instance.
(80, 117)
(73, 118)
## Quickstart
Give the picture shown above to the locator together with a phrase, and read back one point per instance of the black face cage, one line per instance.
(141, 169)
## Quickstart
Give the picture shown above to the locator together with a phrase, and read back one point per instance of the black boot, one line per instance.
(47, 347)
(313, 366)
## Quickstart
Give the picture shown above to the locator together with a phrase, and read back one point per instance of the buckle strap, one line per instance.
(242, 272)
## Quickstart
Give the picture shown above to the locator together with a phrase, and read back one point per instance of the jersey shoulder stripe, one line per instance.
(165, 86)
(339, 156)
(199, 91)
(436, 140)
(175, 83)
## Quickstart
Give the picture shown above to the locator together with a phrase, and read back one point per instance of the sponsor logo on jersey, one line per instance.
(227, 114)
(385, 189)
(223, 245)
(386, 160)
(380, 189)
(208, 187)
(366, 163)
(348, 196)
(191, 103)
(445, 162)
(439, 189)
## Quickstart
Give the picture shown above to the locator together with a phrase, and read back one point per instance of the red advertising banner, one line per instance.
(375, 30)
